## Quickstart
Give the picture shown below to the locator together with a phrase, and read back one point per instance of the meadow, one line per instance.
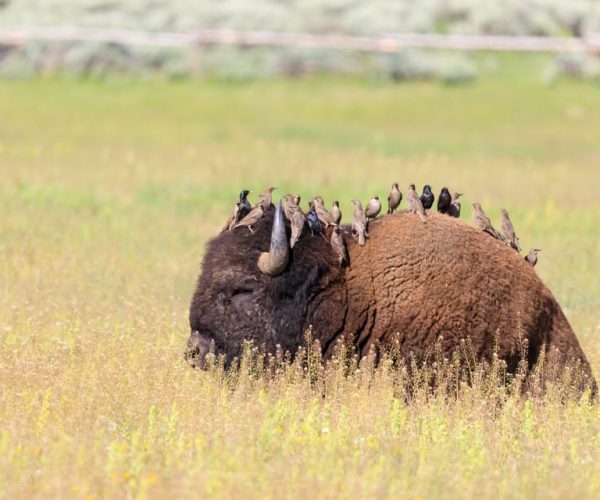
(109, 191)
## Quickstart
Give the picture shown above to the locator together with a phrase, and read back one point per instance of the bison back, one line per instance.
(414, 283)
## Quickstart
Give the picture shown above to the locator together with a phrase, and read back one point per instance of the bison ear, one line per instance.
(276, 259)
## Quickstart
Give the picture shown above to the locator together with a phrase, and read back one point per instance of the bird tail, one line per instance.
(497, 235)
(361, 238)
(516, 245)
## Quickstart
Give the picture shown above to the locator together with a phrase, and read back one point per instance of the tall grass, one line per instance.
(108, 193)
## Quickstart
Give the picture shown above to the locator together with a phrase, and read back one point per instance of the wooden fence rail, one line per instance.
(391, 42)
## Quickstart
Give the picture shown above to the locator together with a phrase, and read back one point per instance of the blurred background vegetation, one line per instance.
(349, 17)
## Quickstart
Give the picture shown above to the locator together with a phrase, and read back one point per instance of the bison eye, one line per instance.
(241, 296)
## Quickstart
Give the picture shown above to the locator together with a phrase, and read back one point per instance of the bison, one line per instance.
(412, 285)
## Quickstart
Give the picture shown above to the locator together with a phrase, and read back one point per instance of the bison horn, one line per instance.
(276, 259)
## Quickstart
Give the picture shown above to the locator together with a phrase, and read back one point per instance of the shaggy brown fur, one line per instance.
(414, 283)
(410, 284)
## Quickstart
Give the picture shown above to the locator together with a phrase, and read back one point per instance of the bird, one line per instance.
(245, 206)
(444, 201)
(532, 256)
(335, 212)
(324, 216)
(289, 207)
(265, 198)
(252, 218)
(373, 208)
(454, 208)
(359, 223)
(394, 198)
(297, 224)
(414, 202)
(427, 198)
(337, 243)
(233, 219)
(508, 231)
(483, 222)
(313, 221)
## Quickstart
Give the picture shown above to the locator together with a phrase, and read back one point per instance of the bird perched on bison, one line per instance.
(338, 245)
(454, 208)
(254, 287)
(233, 219)
(414, 202)
(252, 218)
(427, 198)
(297, 224)
(508, 231)
(335, 212)
(444, 201)
(483, 222)
(532, 257)
(394, 198)
(359, 223)
(322, 213)
(312, 219)
(245, 206)
(373, 208)
(265, 199)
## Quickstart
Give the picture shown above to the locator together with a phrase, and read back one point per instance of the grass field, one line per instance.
(108, 193)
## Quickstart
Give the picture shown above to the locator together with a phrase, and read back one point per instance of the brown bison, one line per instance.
(411, 285)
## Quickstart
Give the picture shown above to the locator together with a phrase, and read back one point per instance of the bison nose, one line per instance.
(198, 346)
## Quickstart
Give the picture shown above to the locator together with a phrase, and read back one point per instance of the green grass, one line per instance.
(108, 193)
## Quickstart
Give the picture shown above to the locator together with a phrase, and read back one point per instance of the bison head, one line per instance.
(254, 287)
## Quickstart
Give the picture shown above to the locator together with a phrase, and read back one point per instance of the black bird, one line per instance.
(245, 206)
(312, 219)
(444, 201)
(427, 197)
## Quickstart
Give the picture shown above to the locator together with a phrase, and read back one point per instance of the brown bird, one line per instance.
(265, 199)
(373, 208)
(322, 213)
(359, 222)
(335, 212)
(483, 222)
(252, 218)
(394, 198)
(414, 202)
(233, 219)
(297, 225)
(454, 208)
(289, 207)
(532, 256)
(337, 243)
(508, 231)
